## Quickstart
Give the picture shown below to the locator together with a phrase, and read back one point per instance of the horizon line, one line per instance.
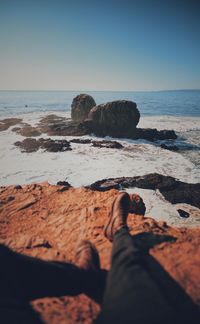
(89, 90)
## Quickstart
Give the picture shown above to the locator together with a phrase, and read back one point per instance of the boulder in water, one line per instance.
(117, 118)
(81, 106)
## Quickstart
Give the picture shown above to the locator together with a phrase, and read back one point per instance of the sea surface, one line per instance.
(177, 110)
(150, 103)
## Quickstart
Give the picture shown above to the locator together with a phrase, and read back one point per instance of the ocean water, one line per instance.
(152, 103)
(177, 110)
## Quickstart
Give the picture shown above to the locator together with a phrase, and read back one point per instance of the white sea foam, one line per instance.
(178, 124)
(160, 209)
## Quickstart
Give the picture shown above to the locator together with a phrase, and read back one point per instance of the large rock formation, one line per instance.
(81, 106)
(116, 118)
(101, 124)
(45, 221)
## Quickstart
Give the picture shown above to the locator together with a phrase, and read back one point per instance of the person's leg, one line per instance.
(30, 278)
(24, 278)
(132, 293)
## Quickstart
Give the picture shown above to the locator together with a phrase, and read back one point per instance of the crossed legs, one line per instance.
(138, 290)
(134, 293)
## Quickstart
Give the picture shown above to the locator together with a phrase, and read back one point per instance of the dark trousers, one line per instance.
(139, 291)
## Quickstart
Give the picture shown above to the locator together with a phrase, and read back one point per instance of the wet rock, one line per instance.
(170, 147)
(8, 122)
(81, 141)
(117, 118)
(107, 144)
(50, 145)
(81, 106)
(16, 129)
(30, 145)
(101, 144)
(27, 131)
(152, 134)
(114, 121)
(63, 183)
(52, 119)
(183, 213)
(18, 187)
(173, 190)
(53, 125)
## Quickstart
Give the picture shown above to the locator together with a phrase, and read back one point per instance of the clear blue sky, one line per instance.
(99, 44)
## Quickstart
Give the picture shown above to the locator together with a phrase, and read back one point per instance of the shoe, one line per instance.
(137, 205)
(119, 214)
(87, 256)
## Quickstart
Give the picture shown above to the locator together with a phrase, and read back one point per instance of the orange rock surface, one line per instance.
(46, 221)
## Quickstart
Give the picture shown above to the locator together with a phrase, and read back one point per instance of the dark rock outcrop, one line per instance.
(81, 106)
(173, 148)
(116, 118)
(27, 131)
(8, 122)
(173, 190)
(107, 144)
(30, 145)
(152, 134)
(101, 144)
(81, 141)
(118, 123)
(53, 125)
(64, 184)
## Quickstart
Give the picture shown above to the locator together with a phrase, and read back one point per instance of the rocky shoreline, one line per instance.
(117, 119)
(173, 190)
(30, 145)
(43, 221)
(54, 125)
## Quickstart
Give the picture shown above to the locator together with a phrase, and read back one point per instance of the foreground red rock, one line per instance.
(45, 221)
